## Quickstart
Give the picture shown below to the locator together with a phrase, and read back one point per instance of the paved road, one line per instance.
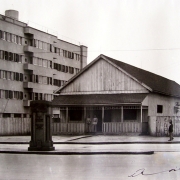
(99, 147)
(90, 167)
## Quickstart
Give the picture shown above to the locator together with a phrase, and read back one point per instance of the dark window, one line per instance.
(56, 118)
(1, 54)
(37, 79)
(40, 96)
(159, 109)
(1, 34)
(17, 115)
(50, 80)
(6, 94)
(21, 95)
(107, 116)
(16, 58)
(76, 115)
(63, 68)
(130, 114)
(66, 69)
(59, 67)
(17, 76)
(6, 55)
(71, 70)
(35, 96)
(6, 115)
(21, 77)
(11, 56)
(10, 94)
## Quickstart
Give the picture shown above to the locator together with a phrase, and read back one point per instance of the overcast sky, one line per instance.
(143, 33)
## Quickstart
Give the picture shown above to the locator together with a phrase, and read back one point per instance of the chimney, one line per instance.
(12, 14)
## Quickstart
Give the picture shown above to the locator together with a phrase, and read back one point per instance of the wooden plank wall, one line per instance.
(15, 126)
(125, 127)
(68, 128)
(103, 76)
(162, 125)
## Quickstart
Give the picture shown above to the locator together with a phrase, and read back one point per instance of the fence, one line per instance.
(68, 128)
(162, 125)
(15, 126)
(125, 127)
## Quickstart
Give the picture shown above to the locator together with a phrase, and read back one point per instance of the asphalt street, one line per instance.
(164, 165)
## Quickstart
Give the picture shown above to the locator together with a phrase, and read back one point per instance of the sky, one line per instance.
(143, 33)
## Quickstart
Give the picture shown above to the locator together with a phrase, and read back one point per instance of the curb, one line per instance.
(100, 143)
(77, 153)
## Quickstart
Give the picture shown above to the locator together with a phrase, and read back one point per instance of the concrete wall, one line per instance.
(27, 68)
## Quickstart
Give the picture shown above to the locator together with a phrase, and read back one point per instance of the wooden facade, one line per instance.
(103, 78)
(15, 126)
(124, 98)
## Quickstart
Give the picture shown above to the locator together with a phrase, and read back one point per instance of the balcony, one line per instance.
(30, 49)
(26, 103)
(28, 67)
(28, 30)
(28, 85)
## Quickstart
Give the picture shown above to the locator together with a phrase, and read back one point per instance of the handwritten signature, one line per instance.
(142, 172)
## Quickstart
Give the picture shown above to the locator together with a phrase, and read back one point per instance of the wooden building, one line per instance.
(124, 98)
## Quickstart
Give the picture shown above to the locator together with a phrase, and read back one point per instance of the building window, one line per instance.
(40, 45)
(17, 115)
(39, 61)
(76, 115)
(40, 96)
(35, 96)
(6, 115)
(11, 56)
(6, 55)
(1, 54)
(20, 40)
(56, 118)
(159, 109)
(12, 38)
(16, 39)
(8, 36)
(130, 114)
(1, 34)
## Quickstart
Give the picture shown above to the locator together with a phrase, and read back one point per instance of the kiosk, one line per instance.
(41, 121)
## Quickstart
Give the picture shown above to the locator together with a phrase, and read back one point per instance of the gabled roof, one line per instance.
(151, 81)
(98, 99)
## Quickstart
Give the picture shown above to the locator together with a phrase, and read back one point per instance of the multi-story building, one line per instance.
(33, 64)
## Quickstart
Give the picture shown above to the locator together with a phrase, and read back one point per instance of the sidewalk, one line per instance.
(84, 144)
(92, 139)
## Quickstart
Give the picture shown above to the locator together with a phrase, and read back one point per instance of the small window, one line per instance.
(1, 54)
(159, 109)
(6, 115)
(8, 36)
(56, 118)
(6, 55)
(1, 34)
(17, 115)
(130, 114)
(20, 40)
(12, 38)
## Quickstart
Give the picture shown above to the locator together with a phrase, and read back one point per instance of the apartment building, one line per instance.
(33, 64)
